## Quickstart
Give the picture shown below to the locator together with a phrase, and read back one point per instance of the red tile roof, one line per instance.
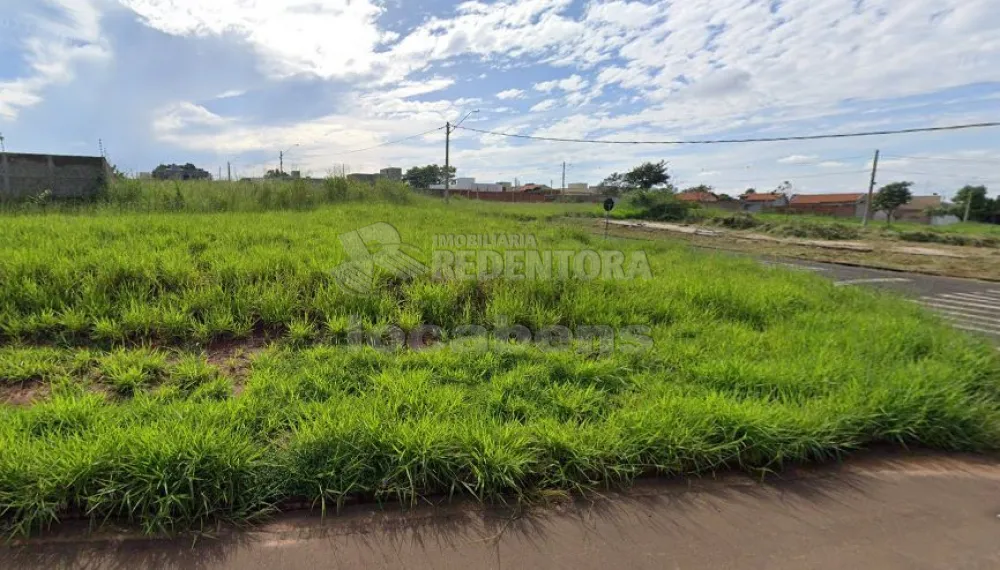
(697, 197)
(765, 197)
(922, 203)
(808, 199)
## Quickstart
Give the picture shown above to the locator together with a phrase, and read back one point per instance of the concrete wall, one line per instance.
(24, 175)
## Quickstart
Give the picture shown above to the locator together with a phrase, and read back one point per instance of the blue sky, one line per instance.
(240, 80)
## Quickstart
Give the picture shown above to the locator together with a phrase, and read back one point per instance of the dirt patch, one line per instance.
(23, 393)
(234, 358)
(968, 262)
(929, 252)
(699, 231)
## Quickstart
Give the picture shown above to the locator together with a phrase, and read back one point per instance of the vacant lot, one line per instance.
(173, 368)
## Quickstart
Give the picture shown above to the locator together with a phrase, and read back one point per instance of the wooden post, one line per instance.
(871, 192)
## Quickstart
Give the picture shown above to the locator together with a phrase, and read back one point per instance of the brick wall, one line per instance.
(23, 175)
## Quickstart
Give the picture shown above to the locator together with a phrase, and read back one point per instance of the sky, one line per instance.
(239, 81)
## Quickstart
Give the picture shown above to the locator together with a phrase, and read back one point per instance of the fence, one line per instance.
(25, 175)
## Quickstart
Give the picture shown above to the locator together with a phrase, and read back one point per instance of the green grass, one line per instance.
(118, 314)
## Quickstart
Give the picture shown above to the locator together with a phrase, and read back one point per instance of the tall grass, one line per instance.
(750, 368)
(129, 195)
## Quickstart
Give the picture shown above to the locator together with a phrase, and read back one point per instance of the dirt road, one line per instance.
(907, 512)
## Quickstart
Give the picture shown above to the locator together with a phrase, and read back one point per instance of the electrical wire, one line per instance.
(785, 177)
(411, 137)
(747, 140)
(981, 160)
(905, 172)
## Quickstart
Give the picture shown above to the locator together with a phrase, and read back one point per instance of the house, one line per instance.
(698, 197)
(391, 173)
(469, 184)
(851, 205)
(759, 202)
(917, 210)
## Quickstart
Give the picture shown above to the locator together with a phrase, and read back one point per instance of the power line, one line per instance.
(411, 137)
(748, 140)
(785, 177)
(981, 160)
(898, 171)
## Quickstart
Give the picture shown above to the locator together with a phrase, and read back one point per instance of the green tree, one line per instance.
(649, 175)
(700, 188)
(614, 185)
(890, 197)
(277, 175)
(980, 206)
(426, 176)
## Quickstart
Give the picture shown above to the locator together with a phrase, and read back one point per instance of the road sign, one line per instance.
(609, 204)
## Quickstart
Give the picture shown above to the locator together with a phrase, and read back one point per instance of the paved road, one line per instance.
(969, 305)
(923, 512)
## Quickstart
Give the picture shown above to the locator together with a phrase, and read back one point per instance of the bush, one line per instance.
(661, 206)
(817, 231)
(949, 239)
(737, 222)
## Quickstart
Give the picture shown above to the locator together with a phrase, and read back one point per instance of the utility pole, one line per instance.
(281, 162)
(229, 171)
(448, 129)
(2, 148)
(447, 159)
(871, 192)
(564, 178)
(968, 207)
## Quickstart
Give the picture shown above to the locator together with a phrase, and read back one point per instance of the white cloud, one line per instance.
(184, 115)
(230, 94)
(545, 105)
(326, 38)
(53, 47)
(798, 159)
(510, 94)
(569, 84)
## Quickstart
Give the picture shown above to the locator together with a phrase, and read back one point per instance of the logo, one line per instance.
(375, 248)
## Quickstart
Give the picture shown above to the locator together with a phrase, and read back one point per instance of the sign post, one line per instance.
(609, 204)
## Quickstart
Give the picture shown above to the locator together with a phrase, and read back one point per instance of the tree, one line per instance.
(648, 175)
(890, 197)
(277, 175)
(614, 184)
(784, 188)
(117, 174)
(750, 191)
(979, 209)
(177, 172)
(700, 188)
(426, 176)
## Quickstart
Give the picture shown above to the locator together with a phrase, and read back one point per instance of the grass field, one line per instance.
(174, 368)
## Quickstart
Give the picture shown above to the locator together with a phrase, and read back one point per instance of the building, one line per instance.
(760, 202)
(920, 209)
(840, 205)
(469, 184)
(367, 178)
(392, 173)
(23, 175)
(698, 197)
(579, 188)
